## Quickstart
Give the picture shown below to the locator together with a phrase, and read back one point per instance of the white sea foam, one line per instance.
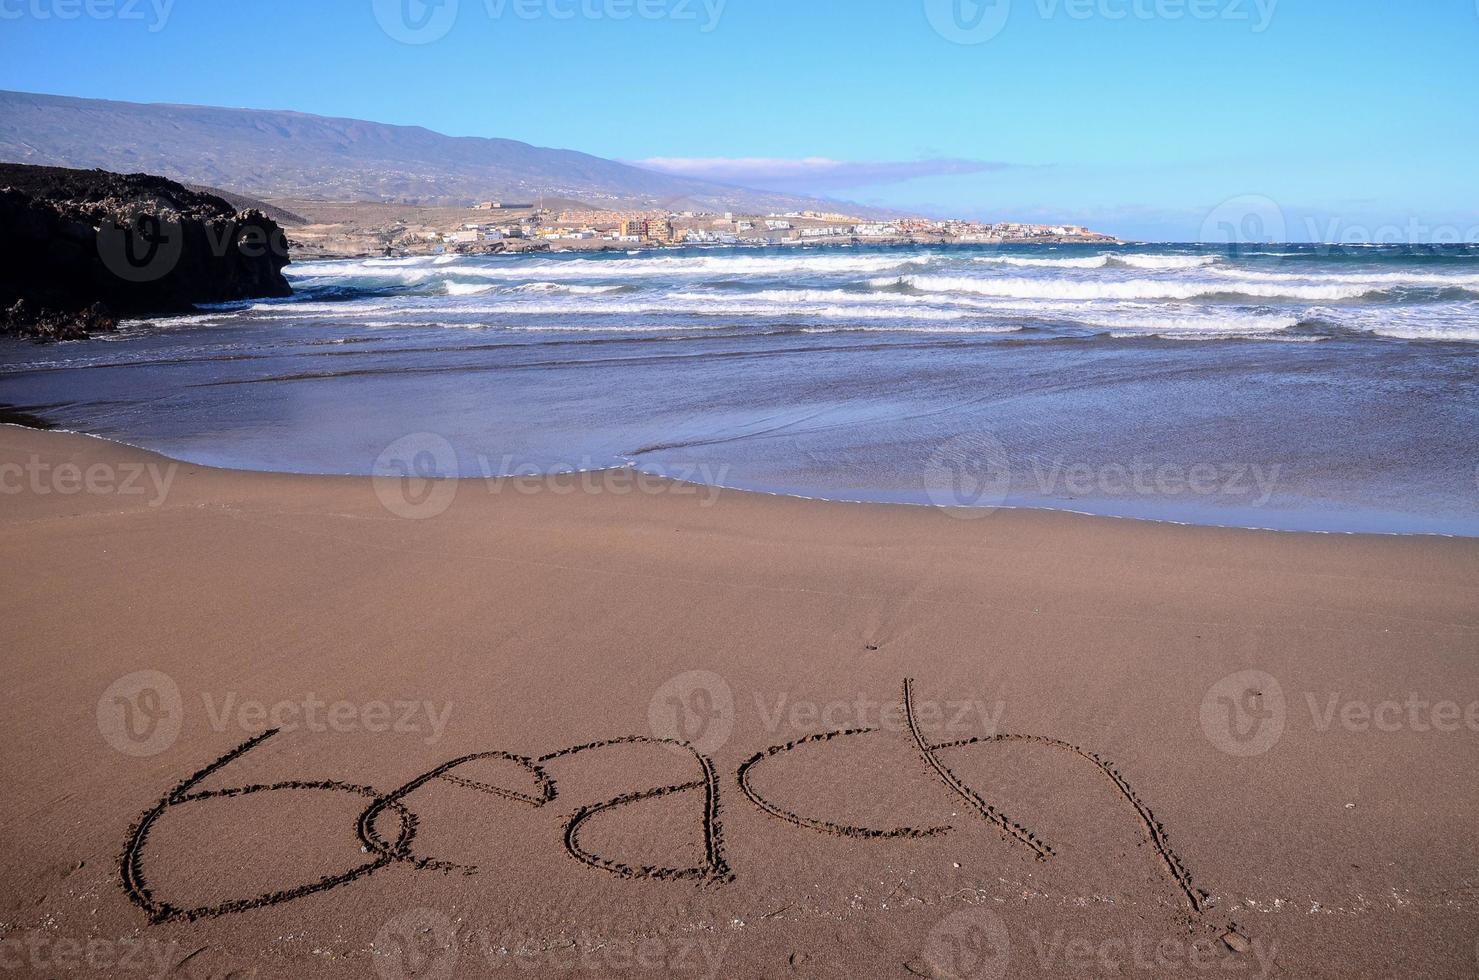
(1108, 259)
(1372, 280)
(1019, 288)
(573, 289)
(455, 288)
(1213, 322)
(418, 269)
(909, 329)
(1084, 262)
(1458, 322)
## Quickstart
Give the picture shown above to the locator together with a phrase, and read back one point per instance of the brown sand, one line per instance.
(544, 622)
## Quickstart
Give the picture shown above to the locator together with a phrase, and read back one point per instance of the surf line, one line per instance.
(389, 845)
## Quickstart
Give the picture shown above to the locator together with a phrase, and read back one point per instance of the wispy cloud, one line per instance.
(815, 173)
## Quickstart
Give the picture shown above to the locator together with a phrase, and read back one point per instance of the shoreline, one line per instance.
(12, 419)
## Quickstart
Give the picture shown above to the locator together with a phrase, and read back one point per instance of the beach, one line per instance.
(609, 724)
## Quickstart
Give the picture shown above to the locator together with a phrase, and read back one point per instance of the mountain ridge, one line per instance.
(291, 154)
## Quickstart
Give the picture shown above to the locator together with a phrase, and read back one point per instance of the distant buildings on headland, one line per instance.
(530, 226)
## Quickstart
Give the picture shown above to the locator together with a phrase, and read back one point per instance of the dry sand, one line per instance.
(1084, 784)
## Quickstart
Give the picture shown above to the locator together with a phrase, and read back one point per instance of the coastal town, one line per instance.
(571, 227)
(499, 226)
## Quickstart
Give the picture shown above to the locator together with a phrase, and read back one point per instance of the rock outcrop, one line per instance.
(81, 248)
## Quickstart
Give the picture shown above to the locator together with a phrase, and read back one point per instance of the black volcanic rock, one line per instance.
(79, 248)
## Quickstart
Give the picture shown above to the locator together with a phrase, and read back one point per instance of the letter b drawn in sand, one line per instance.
(1243, 714)
(696, 707)
(972, 944)
(418, 944)
(140, 713)
(415, 476)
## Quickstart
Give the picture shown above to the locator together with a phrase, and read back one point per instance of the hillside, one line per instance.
(295, 155)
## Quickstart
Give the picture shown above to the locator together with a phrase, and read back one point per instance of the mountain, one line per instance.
(293, 154)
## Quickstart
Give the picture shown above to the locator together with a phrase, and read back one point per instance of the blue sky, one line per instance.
(1347, 118)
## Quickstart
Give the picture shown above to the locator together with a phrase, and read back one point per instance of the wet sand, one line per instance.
(271, 724)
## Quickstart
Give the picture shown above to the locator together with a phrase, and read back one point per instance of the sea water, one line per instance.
(1295, 387)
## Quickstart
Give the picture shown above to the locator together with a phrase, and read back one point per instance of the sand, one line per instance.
(267, 725)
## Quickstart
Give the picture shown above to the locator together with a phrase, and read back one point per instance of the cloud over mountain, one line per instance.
(815, 174)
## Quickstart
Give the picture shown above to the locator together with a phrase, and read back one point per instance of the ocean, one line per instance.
(1288, 387)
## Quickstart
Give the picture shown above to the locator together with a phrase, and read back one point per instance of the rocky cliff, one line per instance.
(80, 248)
